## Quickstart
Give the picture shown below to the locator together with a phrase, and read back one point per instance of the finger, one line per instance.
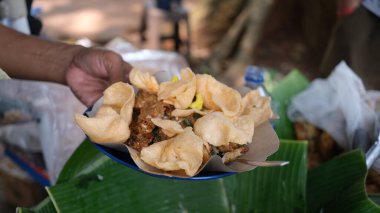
(114, 66)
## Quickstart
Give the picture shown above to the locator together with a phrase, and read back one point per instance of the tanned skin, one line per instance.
(87, 71)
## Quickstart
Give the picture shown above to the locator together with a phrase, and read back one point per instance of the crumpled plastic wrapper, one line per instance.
(153, 61)
(51, 129)
(20, 115)
(341, 106)
(9, 167)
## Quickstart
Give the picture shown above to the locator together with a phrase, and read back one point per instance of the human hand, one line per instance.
(92, 70)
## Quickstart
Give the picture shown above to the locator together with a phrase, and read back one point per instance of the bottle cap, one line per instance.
(254, 75)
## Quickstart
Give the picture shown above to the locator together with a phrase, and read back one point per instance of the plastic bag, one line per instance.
(341, 106)
(55, 133)
(153, 61)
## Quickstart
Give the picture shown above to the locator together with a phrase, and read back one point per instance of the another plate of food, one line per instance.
(189, 127)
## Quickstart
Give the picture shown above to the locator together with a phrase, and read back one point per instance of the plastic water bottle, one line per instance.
(254, 79)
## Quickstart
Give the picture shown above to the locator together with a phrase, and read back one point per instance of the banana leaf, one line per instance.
(336, 186)
(339, 186)
(292, 84)
(117, 188)
(85, 159)
(273, 189)
(375, 198)
(46, 206)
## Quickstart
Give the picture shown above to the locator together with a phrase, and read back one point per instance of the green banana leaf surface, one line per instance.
(114, 187)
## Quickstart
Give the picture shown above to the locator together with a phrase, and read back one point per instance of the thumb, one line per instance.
(117, 69)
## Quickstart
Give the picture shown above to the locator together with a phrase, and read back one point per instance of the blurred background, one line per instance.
(222, 38)
(279, 34)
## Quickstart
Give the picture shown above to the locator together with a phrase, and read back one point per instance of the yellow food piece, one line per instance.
(174, 78)
(198, 103)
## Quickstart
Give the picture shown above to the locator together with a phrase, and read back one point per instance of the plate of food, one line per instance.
(189, 127)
